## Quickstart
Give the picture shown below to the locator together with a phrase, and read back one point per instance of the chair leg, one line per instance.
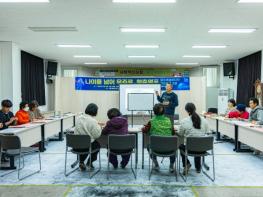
(150, 167)
(175, 168)
(108, 166)
(65, 170)
(19, 168)
(183, 177)
(206, 174)
(92, 175)
(132, 167)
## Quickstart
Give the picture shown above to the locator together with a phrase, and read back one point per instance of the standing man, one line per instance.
(170, 101)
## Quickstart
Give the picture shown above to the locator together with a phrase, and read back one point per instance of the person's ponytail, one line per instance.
(190, 108)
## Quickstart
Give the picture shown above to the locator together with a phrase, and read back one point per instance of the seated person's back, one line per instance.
(117, 124)
(159, 124)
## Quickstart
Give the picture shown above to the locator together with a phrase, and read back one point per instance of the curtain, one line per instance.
(32, 78)
(249, 70)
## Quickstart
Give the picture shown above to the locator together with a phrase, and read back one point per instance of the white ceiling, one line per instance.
(98, 23)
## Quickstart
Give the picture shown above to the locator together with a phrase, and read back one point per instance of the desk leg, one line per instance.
(60, 135)
(142, 150)
(218, 136)
(11, 166)
(237, 144)
(42, 142)
(136, 159)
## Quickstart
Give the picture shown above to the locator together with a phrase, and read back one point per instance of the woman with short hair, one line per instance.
(86, 124)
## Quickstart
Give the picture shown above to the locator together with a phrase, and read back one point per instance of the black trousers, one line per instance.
(154, 157)
(197, 159)
(93, 157)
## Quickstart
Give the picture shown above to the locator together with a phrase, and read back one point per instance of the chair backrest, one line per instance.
(146, 138)
(163, 144)
(121, 142)
(212, 110)
(200, 144)
(176, 116)
(78, 141)
(10, 142)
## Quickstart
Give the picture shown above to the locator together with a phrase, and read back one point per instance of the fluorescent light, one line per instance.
(232, 30)
(73, 46)
(95, 63)
(143, 30)
(87, 56)
(141, 56)
(187, 64)
(250, 1)
(24, 1)
(197, 56)
(209, 46)
(143, 1)
(142, 46)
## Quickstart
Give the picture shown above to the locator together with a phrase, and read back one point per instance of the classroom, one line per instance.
(108, 98)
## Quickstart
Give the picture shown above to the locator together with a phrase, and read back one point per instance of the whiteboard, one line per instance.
(140, 101)
(125, 89)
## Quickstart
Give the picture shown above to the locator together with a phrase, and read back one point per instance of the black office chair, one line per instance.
(78, 142)
(212, 110)
(11, 147)
(122, 145)
(204, 145)
(163, 146)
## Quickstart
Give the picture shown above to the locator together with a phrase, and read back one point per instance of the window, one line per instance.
(70, 73)
(211, 74)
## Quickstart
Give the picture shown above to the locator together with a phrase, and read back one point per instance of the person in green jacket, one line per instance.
(160, 125)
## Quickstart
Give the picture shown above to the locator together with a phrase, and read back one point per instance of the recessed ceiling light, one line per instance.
(197, 56)
(187, 63)
(87, 56)
(142, 46)
(95, 63)
(73, 46)
(251, 30)
(141, 56)
(250, 1)
(143, 1)
(142, 30)
(24, 1)
(209, 46)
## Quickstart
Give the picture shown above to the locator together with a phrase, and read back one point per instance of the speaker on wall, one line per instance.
(52, 68)
(229, 69)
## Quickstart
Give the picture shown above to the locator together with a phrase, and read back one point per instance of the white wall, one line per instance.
(68, 99)
(10, 73)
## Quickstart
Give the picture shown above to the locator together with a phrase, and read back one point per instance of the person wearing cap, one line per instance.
(240, 112)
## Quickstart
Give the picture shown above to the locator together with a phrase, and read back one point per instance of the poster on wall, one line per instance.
(112, 83)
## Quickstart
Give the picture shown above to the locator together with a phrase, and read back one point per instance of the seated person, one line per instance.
(160, 125)
(194, 125)
(22, 115)
(34, 112)
(7, 118)
(256, 114)
(117, 125)
(37, 113)
(87, 125)
(231, 106)
(240, 113)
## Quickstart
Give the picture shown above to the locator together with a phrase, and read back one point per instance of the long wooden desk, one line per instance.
(29, 135)
(240, 131)
(39, 131)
